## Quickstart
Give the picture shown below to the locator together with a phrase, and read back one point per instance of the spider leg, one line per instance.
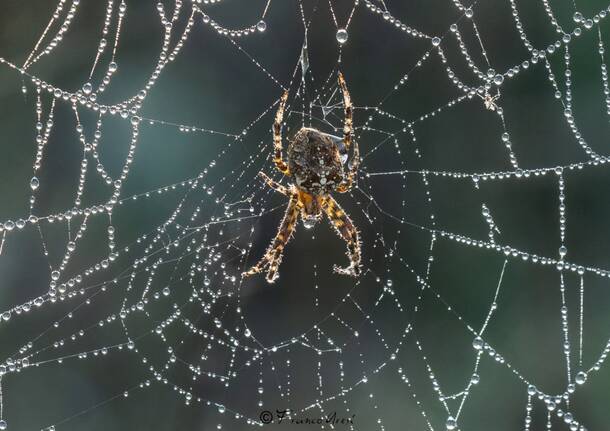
(346, 184)
(354, 163)
(273, 257)
(274, 185)
(348, 122)
(346, 230)
(277, 137)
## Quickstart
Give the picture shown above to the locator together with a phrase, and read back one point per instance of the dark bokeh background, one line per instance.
(214, 85)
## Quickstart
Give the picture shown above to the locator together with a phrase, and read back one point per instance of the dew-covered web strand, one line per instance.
(325, 98)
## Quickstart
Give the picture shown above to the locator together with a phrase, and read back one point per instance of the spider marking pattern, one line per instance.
(316, 163)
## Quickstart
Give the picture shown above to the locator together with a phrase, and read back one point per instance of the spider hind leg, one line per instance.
(348, 130)
(278, 158)
(348, 127)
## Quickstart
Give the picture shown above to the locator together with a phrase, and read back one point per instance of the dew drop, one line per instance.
(304, 58)
(3, 424)
(451, 424)
(342, 36)
(309, 222)
(581, 378)
(55, 275)
(34, 183)
(477, 343)
(87, 88)
(261, 26)
(436, 41)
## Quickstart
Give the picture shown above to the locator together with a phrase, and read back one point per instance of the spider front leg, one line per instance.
(273, 257)
(346, 230)
(277, 137)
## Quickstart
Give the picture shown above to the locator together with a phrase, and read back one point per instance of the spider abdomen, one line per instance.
(315, 161)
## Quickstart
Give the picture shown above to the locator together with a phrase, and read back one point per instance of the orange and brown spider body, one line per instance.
(316, 162)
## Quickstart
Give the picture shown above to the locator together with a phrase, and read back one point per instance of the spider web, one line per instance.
(131, 204)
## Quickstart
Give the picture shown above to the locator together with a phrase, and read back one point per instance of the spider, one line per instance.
(315, 161)
(490, 101)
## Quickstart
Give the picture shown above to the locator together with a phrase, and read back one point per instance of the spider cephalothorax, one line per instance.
(316, 162)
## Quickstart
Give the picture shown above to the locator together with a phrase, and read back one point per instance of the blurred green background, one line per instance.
(215, 84)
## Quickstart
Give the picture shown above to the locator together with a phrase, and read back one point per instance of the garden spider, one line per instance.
(315, 161)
